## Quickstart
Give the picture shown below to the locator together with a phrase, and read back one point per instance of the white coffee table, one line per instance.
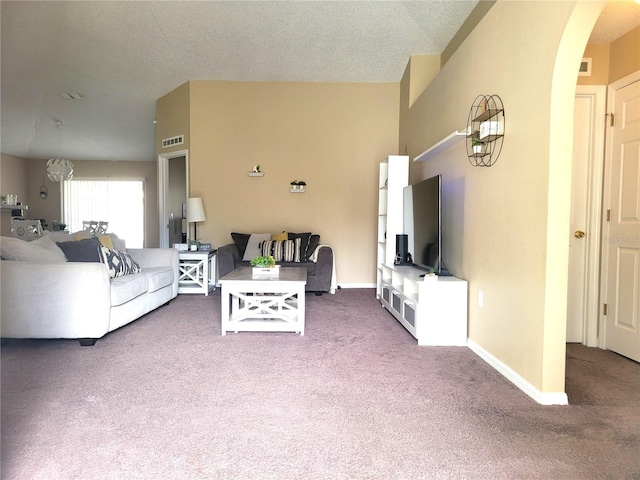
(263, 304)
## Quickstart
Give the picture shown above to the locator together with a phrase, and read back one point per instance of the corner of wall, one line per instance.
(422, 69)
(480, 10)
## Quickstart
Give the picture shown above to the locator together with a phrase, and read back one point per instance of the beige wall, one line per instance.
(31, 174)
(13, 180)
(332, 136)
(505, 226)
(625, 55)
(172, 118)
(422, 69)
(599, 53)
(612, 61)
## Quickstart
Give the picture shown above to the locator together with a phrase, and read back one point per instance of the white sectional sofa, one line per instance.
(46, 296)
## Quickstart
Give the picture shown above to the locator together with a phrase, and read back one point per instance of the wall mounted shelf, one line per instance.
(256, 174)
(297, 190)
(14, 207)
(443, 144)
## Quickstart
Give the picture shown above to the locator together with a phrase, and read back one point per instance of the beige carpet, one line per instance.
(355, 398)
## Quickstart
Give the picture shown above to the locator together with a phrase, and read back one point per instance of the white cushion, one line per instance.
(158, 277)
(253, 245)
(127, 288)
(40, 250)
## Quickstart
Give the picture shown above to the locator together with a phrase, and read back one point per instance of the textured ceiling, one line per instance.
(617, 18)
(122, 56)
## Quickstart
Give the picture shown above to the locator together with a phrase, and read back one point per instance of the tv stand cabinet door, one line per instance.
(442, 312)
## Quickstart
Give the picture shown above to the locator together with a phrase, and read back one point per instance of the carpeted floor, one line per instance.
(168, 397)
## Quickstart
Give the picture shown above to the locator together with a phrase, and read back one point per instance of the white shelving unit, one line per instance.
(394, 176)
(432, 309)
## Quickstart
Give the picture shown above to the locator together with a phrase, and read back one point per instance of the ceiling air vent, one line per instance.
(170, 142)
(585, 68)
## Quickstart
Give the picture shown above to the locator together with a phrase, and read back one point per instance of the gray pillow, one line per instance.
(241, 240)
(314, 241)
(85, 250)
(304, 244)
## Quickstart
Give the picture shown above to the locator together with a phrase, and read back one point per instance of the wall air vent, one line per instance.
(585, 68)
(170, 142)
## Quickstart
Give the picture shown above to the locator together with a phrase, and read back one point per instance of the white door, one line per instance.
(177, 200)
(621, 240)
(173, 188)
(586, 205)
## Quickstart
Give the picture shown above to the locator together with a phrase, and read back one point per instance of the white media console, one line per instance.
(432, 309)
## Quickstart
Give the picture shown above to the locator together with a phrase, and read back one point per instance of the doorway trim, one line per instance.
(163, 186)
(595, 176)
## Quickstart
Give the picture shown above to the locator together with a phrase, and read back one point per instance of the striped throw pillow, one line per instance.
(282, 250)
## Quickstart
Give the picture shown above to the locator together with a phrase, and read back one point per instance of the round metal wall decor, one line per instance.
(485, 130)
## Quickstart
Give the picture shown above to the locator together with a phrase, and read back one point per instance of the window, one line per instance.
(119, 202)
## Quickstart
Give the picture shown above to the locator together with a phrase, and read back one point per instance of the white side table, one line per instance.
(197, 271)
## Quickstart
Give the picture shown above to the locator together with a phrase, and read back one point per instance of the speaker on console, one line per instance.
(402, 247)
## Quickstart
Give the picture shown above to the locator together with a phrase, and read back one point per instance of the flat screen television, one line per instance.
(422, 204)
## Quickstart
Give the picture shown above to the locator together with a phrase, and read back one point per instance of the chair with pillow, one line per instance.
(90, 226)
(101, 229)
(95, 227)
(26, 229)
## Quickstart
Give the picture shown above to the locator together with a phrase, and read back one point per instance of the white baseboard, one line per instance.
(357, 285)
(543, 398)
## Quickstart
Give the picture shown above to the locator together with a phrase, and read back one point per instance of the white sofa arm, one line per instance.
(65, 300)
(158, 257)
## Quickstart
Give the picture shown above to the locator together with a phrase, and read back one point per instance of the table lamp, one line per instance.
(195, 214)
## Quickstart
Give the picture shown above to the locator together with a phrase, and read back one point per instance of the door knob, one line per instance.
(578, 234)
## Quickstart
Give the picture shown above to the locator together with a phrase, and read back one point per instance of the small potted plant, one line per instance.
(477, 145)
(194, 245)
(264, 265)
(298, 184)
(431, 273)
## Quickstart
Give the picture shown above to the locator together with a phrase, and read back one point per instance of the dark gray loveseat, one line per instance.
(319, 273)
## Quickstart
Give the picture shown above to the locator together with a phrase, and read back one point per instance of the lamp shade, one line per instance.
(59, 169)
(195, 210)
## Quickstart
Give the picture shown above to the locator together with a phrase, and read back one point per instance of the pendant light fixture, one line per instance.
(44, 193)
(59, 169)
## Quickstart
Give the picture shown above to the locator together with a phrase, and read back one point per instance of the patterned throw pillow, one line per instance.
(118, 263)
(282, 250)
